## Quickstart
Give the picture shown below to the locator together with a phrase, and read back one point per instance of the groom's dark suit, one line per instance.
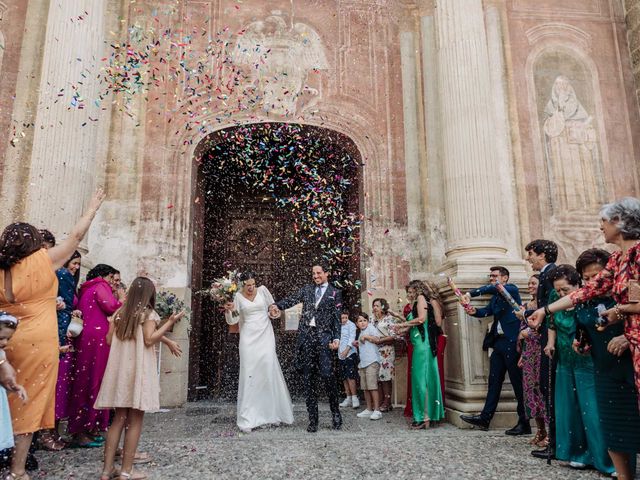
(313, 355)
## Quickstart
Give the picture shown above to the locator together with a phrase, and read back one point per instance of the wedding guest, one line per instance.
(425, 380)
(97, 303)
(383, 320)
(620, 225)
(436, 321)
(529, 362)
(347, 359)
(613, 372)
(28, 288)
(68, 277)
(8, 325)
(49, 240)
(579, 438)
(502, 338)
(408, 408)
(541, 255)
(369, 366)
(131, 384)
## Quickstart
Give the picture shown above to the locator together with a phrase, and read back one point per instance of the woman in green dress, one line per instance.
(579, 435)
(613, 369)
(425, 317)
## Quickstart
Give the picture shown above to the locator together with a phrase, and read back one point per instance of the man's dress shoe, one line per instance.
(476, 421)
(520, 429)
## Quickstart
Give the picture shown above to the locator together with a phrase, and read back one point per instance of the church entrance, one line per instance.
(271, 198)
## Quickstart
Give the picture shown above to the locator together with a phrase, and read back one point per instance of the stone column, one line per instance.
(479, 204)
(473, 205)
(69, 124)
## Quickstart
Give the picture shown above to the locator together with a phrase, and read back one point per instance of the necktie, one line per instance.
(318, 293)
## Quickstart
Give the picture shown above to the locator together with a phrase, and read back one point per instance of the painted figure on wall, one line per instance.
(572, 151)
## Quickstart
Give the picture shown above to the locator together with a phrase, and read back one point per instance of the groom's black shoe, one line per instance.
(337, 421)
(522, 428)
(312, 428)
(475, 420)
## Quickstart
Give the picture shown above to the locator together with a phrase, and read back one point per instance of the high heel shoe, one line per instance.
(420, 425)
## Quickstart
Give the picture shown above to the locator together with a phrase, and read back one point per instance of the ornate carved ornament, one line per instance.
(286, 55)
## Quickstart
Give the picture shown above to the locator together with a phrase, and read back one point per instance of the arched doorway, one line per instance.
(271, 198)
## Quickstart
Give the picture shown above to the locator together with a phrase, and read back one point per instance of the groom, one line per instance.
(318, 338)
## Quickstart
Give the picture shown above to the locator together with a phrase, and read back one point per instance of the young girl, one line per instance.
(8, 325)
(130, 383)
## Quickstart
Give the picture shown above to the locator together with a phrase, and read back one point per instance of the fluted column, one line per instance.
(69, 123)
(474, 208)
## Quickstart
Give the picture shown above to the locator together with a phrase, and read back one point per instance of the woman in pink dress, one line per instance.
(97, 302)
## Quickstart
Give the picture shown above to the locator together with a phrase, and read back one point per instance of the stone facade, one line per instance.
(632, 17)
(481, 125)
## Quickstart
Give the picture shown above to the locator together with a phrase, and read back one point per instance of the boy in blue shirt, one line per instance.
(347, 358)
(369, 366)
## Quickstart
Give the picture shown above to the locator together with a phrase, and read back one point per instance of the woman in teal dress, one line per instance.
(579, 435)
(425, 380)
(613, 368)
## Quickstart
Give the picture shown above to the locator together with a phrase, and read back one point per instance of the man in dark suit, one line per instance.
(542, 254)
(318, 338)
(503, 338)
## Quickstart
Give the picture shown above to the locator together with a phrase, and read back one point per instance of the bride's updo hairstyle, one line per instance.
(247, 275)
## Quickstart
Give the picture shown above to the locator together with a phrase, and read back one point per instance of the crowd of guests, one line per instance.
(572, 351)
(367, 353)
(79, 354)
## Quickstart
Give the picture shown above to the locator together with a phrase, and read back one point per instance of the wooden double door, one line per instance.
(248, 233)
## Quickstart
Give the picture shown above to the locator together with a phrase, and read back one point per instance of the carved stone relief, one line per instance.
(286, 55)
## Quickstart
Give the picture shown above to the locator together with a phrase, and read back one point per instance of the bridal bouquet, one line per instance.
(224, 289)
(168, 303)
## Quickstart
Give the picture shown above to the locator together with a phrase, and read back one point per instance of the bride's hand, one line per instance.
(274, 312)
(229, 306)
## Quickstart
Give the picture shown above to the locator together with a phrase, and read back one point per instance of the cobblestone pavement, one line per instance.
(201, 441)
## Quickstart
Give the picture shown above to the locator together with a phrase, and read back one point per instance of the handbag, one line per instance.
(489, 339)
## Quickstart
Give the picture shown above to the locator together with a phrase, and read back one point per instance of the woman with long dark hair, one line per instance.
(68, 277)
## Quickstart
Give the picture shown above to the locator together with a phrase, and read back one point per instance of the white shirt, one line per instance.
(323, 288)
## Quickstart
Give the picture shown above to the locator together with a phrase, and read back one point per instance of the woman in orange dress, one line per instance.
(28, 290)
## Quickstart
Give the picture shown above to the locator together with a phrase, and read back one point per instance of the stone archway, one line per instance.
(259, 205)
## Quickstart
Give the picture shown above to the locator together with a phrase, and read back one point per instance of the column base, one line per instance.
(466, 364)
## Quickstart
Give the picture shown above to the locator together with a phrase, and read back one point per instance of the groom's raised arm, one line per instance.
(290, 301)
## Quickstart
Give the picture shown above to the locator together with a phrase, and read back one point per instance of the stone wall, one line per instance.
(632, 18)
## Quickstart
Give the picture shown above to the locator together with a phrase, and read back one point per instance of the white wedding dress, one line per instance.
(263, 396)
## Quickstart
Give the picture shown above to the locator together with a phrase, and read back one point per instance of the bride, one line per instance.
(263, 397)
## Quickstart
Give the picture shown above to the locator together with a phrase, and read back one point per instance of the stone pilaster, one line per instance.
(69, 124)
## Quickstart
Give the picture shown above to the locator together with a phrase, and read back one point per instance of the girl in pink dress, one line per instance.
(131, 384)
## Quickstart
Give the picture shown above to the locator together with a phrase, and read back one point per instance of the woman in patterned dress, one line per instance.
(620, 225)
(529, 342)
(383, 319)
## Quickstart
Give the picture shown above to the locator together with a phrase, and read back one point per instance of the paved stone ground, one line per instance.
(201, 441)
